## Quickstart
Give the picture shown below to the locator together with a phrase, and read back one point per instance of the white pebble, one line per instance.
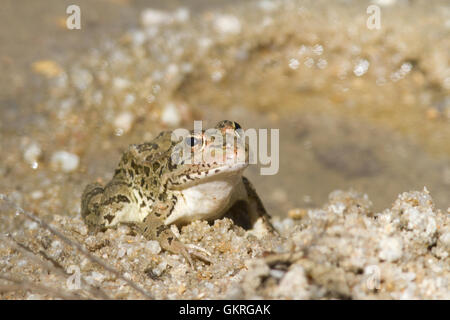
(390, 249)
(361, 67)
(322, 64)
(97, 276)
(153, 246)
(31, 225)
(129, 99)
(123, 229)
(385, 3)
(294, 284)
(277, 274)
(445, 239)
(227, 24)
(309, 62)
(124, 121)
(172, 70)
(81, 78)
(317, 49)
(22, 263)
(294, 64)
(160, 268)
(32, 153)
(138, 37)
(64, 161)
(56, 244)
(337, 208)
(121, 83)
(38, 194)
(204, 43)
(130, 251)
(288, 223)
(181, 15)
(170, 115)
(121, 252)
(151, 17)
(267, 5)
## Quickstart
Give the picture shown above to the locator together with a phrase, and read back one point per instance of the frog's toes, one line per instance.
(199, 253)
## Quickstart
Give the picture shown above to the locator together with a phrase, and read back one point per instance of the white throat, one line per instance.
(207, 200)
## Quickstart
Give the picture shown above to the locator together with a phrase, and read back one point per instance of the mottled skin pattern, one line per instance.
(150, 192)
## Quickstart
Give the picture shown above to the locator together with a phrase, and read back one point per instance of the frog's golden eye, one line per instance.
(192, 141)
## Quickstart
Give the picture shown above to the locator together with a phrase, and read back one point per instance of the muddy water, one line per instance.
(356, 108)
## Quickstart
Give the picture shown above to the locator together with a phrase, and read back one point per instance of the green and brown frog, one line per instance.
(152, 189)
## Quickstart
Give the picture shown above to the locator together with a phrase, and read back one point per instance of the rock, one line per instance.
(64, 161)
(151, 17)
(32, 154)
(385, 3)
(361, 67)
(81, 78)
(257, 269)
(297, 213)
(124, 121)
(121, 83)
(390, 249)
(170, 115)
(294, 284)
(417, 215)
(153, 247)
(48, 68)
(227, 24)
(181, 15)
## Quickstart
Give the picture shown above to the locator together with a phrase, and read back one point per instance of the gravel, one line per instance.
(342, 250)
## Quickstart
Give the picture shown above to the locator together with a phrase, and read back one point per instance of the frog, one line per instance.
(157, 186)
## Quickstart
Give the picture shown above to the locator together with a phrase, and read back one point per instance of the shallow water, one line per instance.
(356, 108)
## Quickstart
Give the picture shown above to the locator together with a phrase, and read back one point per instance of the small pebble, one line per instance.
(227, 24)
(170, 115)
(151, 17)
(64, 161)
(297, 213)
(32, 153)
(153, 246)
(390, 249)
(124, 121)
(181, 15)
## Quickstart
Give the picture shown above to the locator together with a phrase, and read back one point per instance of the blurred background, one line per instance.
(357, 107)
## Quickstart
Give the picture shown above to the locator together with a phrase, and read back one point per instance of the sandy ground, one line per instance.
(343, 251)
(356, 108)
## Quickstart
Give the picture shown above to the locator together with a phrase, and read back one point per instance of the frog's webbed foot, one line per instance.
(189, 251)
(155, 229)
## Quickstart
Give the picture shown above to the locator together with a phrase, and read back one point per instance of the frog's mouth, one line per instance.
(205, 174)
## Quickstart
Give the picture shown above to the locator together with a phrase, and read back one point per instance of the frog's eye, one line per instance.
(228, 124)
(192, 141)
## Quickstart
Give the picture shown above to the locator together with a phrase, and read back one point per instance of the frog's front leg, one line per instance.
(153, 228)
(257, 214)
